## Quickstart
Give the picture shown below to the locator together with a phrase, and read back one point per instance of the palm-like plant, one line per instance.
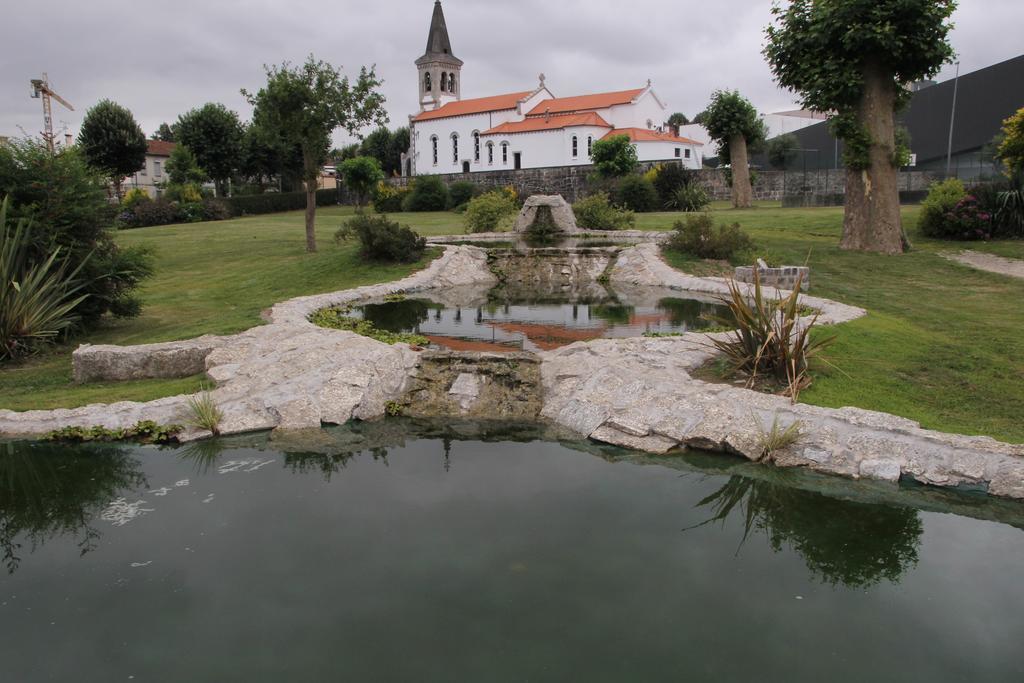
(37, 297)
(770, 336)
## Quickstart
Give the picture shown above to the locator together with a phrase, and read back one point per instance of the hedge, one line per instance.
(273, 202)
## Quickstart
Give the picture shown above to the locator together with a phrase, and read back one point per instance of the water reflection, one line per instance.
(842, 542)
(49, 490)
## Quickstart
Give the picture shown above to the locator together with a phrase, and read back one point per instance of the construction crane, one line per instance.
(41, 88)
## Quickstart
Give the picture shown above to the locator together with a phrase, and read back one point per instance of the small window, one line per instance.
(451, 83)
(426, 82)
(433, 144)
(444, 81)
(504, 152)
(476, 146)
(590, 144)
(687, 154)
(455, 148)
(156, 169)
(575, 147)
(490, 152)
(677, 151)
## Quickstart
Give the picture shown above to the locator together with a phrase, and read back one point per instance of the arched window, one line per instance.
(490, 152)
(444, 81)
(451, 83)
(575, 147)
(590, 144)
(504, 152)
(455, 148)
(426, 82)
(433, 144)
(476, 146)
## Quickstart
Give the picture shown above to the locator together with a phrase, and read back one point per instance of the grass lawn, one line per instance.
(942, 343)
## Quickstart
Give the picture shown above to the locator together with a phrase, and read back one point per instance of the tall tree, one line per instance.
(782, 150)
(614, 156)
(399, 146)
(182, 167)
(732, 121)
(360, 176)
(306, 104)
(678, 119)
(112, 142)
(214, 134)
(856, 57)
(164, 132)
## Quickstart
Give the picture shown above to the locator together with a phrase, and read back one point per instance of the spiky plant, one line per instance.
(776, 437)
(37, 298)
(769, 336)
(205, 412)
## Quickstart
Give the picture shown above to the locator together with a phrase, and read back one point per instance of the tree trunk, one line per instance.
(311, 173)
(871, 220)
(742, 195)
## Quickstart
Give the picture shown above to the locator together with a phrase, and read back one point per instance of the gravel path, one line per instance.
(994, 264)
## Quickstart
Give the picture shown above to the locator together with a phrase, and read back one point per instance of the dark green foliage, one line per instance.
(165, 133)
(67, 203)
(782, 150)
(823, 51)
(361, 175)
(145, 431)
(678, 119)
(274, 202)
(215, 210)
(690, 197)
(637, 193)
(265, 156)
(614, 156)
(934, 219)
(387, 148)
(112, 141)
(596, 212)
(461, 192)
(383, 239)
(214, 135)
(147, 213)
(731, 114)
(671, 177)
(428, 193)
(182, 167)
(698, 236)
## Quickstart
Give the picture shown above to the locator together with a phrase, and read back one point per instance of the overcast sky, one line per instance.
(163, 58)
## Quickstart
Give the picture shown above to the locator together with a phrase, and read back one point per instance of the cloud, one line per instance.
(160, 59)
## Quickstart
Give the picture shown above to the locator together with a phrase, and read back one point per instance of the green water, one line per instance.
(402, 551)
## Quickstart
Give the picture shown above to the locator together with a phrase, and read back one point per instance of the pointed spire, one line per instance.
(438, 42)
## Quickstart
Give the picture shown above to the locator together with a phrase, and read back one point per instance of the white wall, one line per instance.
(542, 148)
(779, 125)
(666, 151)
(636, 115)
(464, 126)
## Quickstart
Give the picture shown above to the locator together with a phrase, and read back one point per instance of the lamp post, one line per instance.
(952, 120)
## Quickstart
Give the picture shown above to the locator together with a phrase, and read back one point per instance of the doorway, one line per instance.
(517, 160)
(465, 167)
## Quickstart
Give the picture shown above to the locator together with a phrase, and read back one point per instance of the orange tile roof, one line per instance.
(562, 105)
(159, 148)
(478, 105)
(645, 135)
(553, 123)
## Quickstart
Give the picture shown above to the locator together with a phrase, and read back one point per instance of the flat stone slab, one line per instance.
(169, 360)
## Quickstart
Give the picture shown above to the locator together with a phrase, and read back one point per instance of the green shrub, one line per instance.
(68, 206)
(461, 192)
(383, 239)
(691, 197)
(216, 210)
(37, 299)
(188, 192)
(273, 202)
(596, 212)
(490, 212)
(942, 197)
(699, 237)
(361, 175)
(144, 431)
(428, 194)
(614, 156)
(669, 178)
(133, 197)
(388, 198)
(637, 193)
(154, 212)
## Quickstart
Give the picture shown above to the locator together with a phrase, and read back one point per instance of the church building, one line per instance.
(527, 129)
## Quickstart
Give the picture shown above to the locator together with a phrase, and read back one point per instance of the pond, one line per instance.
(505, 321)
(401, 551)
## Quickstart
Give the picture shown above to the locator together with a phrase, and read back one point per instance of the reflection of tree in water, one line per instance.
(398, 316)
(690, 312)
(328, 464)
(842, 542)
(49, 490)
(617, 314)
(203, 454)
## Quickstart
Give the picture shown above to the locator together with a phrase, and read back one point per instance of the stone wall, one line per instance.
(574, 182)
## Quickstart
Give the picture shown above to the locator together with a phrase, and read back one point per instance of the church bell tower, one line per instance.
(440, 71)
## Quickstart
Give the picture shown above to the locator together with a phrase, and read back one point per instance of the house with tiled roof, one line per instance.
(152, 175)
(526, 129)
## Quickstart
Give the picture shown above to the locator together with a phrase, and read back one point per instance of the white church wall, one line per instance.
(464, 127)
(666, 151)
(636, 115)
(542, 149)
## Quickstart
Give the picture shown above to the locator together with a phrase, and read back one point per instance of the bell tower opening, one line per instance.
(440, 71)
